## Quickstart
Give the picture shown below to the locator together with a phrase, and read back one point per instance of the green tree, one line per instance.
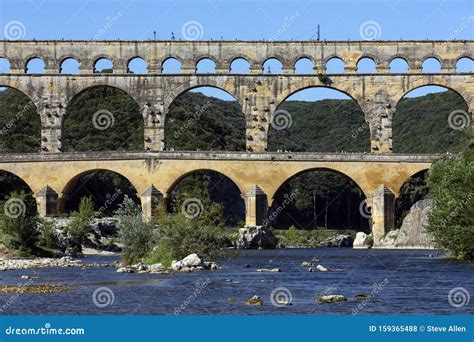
(79, 226)
(451, 221)
(137, 236)
(18, 221)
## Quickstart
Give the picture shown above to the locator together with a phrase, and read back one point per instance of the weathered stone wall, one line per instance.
(259, 94)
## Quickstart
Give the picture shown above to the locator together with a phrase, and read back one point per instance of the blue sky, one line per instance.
(244, 19)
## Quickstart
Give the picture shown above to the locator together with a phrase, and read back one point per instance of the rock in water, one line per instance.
(192, 260)
(362, 297)
(268, 270)
(256, 237)
(337, 241)
(322, 268)
(306, 264)
(125, 270)
(255, 300)
(412, 233)
(322, 299)
(362, 240)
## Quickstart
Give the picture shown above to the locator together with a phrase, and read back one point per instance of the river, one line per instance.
(406, 282)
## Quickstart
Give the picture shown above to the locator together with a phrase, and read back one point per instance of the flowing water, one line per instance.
(406, 282)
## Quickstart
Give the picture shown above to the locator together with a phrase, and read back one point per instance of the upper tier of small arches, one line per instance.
(53, 57)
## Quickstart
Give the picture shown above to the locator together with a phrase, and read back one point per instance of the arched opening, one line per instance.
(9, 183)
(206, 66)
(431, 65)
(430, 119)
(171, 66)
(137, 65)
(304, 66)
(335, 65)
(103, 65)
(205, 118)
(398, 66)
(272, 66)
(107, 190)
(4, 66)
(20, 124)
(204, 188)
(69, 66)
(366, 65)
(239, 66)
(465, 64)
(413, 190)
(35, 66)
(319, 199)
(102, 118)
(319, 119)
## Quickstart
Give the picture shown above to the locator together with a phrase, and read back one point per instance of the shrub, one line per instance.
(47, 238)
(79, 226)
(18, 220)
(137, 237)
(451, 221)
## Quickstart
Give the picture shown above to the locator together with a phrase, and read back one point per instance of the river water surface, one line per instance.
(406, 282)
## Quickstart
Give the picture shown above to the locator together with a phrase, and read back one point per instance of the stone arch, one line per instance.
(411, 136)
(77, 92)
(171, 57)
(204, 60)
(371, 56)
(188, 171)
(100, 57)
(278, 58)
(32, 58)
(66, 58)
(342, 196)
(440, 82)
(210, 112)
(5, 65)
(314, 83)
(399, 57)
(20, 122)
(105, 119)
(358, 179)
(239, 57)
(334, 58)
(431, 57)
(197, 82)
(366, 58)
(304, 58)
(461, 58)
(137, 58)
(70, 182)
(25, 180)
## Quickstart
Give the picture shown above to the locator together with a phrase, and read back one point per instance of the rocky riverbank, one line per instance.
(17, 264)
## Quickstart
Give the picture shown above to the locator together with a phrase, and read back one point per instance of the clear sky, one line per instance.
(243, 19)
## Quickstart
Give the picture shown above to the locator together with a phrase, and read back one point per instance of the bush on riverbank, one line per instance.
(138, 237)
(77, 230)
(451, 221)
(307, 238)
(18, 222)
(180, 234)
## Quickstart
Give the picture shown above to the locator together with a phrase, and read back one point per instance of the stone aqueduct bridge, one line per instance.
(258, 174)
